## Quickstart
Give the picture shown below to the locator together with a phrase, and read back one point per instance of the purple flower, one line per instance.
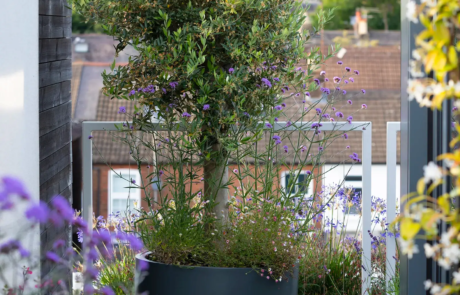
(308, 172)
(297, 94)
(337, 80)
(454, 109)
(53, 257)
(344, 91)
(320, 148)
(337, 88)
(88, 289)
(164, 90)
(345, 81)
(9, 246)
(276, 119)
(356, 72)
(322, 73)
(106, 290)
(283, 105)
(327, 116)
(133, 181)
(132, 92)
(135, 242)
(345, 136)
(317, 81)
(62, 207)
(304, 86)
(268, 125)
(186, 115)
(286, 149)
(326, 90)
(349, 119)
(326, 79)
(276, 79)
(38, 213)
(282, 90)
(206, 107)
(278, 108)
(24, 252)
(277, 142)
(266, 82)
(363, 91)
(351, 79)
(307, 93)
(14, 186)
(347, 69)
(231, 70)
(349, 102)
(288, 123)
(316, 125)
(318, 111)
(276, 137)
(173, 85)
(340, 63)
(339, 114)
(364, 106)
(333, 108)
(273, 67)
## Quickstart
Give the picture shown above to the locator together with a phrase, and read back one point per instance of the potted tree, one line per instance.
(220, 74)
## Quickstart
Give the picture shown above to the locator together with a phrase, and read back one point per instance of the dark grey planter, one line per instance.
(164, 279)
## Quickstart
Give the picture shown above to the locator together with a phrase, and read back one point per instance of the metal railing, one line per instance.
(366, 132)
(392, 129)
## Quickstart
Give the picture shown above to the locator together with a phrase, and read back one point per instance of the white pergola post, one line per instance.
(392, 129)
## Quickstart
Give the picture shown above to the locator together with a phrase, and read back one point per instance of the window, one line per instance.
(122, 198)
(355, 182)
(302, 186)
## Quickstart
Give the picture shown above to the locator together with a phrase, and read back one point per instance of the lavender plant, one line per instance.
(98, 245)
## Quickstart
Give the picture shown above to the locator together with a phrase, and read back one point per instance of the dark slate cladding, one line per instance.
(55, 73)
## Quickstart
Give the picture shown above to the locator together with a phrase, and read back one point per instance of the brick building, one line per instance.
(379, 68)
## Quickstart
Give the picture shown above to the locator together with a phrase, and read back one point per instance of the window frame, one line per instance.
(283, 180)
(134, 194)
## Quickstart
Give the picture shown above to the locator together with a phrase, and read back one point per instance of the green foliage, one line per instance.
(194, 44)
(117, 272)
(343, 10)
(81, 26)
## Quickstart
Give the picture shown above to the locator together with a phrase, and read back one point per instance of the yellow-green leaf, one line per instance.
(429, 60)
(439, 61)
(443, 203)
(420, 186)
(409, 228)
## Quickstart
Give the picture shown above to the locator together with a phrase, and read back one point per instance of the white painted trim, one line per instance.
(134, 194)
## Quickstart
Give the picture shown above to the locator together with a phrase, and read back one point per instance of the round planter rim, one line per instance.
(141, 256)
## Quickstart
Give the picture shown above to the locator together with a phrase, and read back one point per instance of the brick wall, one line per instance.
(101, 192)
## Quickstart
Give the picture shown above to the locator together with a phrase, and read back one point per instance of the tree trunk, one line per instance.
(385, 19)
(215, 177)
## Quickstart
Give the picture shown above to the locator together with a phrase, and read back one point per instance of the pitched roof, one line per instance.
(379, 74)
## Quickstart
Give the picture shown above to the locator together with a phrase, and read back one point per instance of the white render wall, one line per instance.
(379, 184)
(19, 143)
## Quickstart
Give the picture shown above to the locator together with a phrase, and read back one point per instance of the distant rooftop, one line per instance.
(390, 38)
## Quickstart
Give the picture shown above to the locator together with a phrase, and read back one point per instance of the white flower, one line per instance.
(415, 69)
(429, 251)
(445, 263)
(445, 238)
(452, 253)
(408, 247)
(428, 284)
(435, 289)
(416, 55)
(432, 172)
(411, 12)
(429, 3)
(415, 90)
(456, 275)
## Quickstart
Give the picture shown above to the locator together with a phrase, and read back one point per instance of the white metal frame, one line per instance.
(364, 127)
(134, 194)
(392, 129)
